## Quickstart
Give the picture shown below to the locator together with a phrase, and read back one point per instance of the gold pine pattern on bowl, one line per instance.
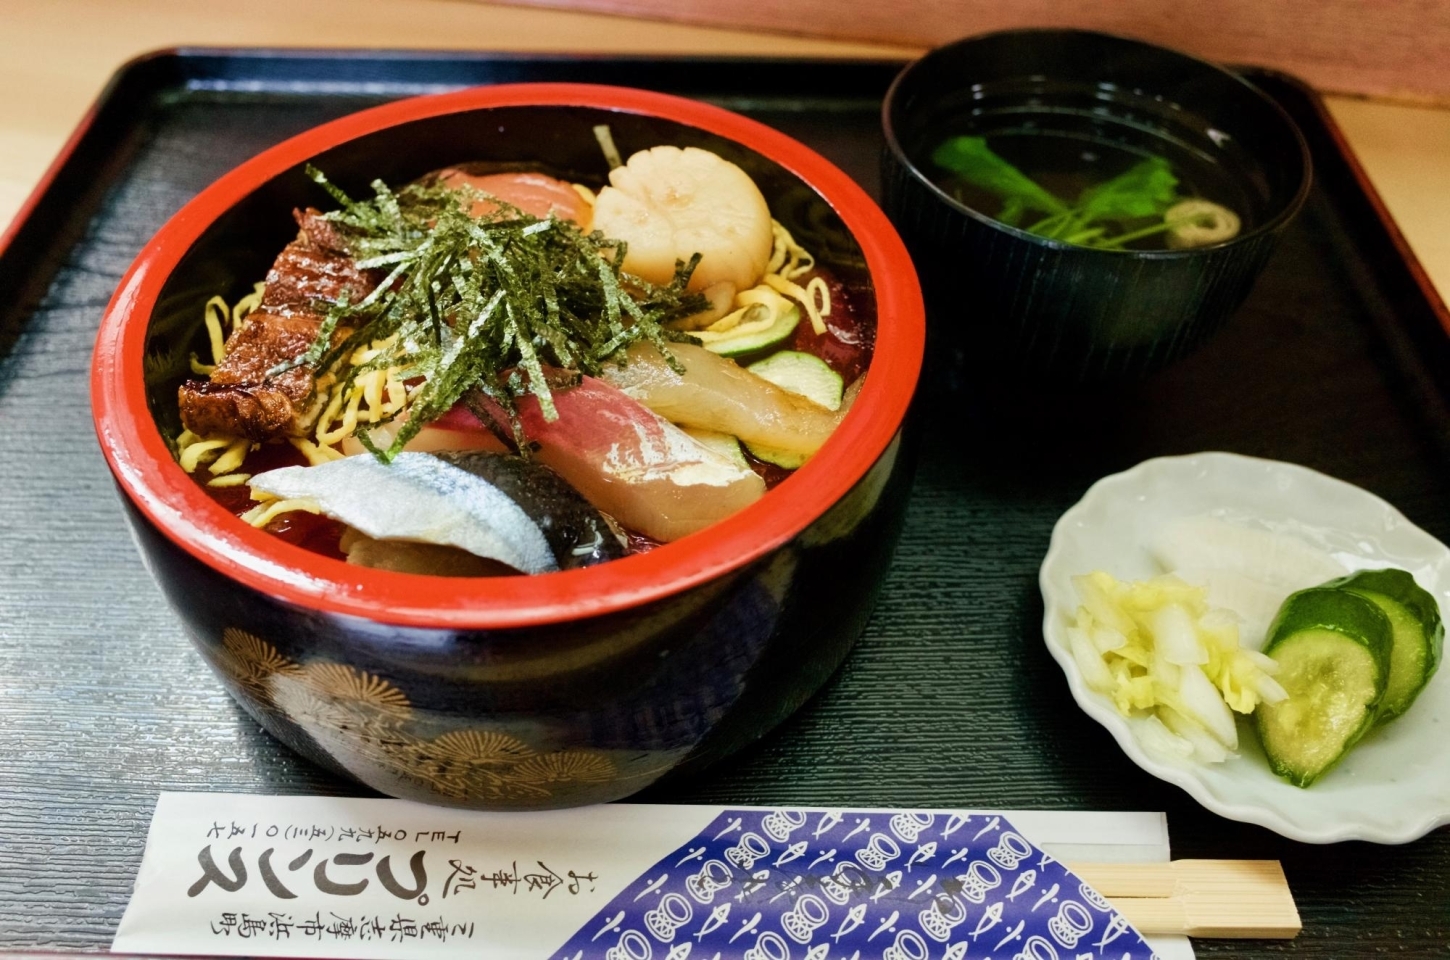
(484, 748)
(250, 661)
(371, 727)
(567, 766)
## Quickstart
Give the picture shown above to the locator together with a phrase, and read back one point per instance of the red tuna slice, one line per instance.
(534, 193)
(456, 430)
(636, 466)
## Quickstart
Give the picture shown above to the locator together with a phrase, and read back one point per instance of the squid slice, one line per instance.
(669, 204)
(718, 394)
(417, 498)
(634, 465)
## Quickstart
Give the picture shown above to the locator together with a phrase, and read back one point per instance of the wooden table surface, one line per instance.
(55, 55)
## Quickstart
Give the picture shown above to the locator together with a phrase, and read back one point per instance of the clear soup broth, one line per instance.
(1089, 190)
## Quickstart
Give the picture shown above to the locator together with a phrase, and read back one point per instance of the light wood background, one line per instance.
(55, 55)
(1398, 48)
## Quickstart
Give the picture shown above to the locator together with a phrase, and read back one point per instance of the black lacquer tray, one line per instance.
(1340, 360)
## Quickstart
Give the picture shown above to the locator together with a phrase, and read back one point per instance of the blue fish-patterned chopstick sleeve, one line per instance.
(786, 885)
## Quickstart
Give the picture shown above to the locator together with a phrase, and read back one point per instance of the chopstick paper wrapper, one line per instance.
(226, 874)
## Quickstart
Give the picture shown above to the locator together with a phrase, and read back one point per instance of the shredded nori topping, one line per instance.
(483, 305)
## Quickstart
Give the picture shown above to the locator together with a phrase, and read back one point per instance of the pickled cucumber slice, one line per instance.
(1419, 634)
(1333, 649)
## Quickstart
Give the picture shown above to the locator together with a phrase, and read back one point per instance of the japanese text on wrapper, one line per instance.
(324, 859)
(337, 928)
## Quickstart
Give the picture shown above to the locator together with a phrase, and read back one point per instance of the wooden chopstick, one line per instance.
(1234, 899)
(1200, 898)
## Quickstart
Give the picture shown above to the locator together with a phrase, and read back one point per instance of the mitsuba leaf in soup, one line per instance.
(1144, 190)
(971, 159)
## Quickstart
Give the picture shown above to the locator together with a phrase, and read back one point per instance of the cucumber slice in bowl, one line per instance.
(788, 459)
(1419, 633)
(750, 336)
(726, 445)
(1333, 648)
(804, 374)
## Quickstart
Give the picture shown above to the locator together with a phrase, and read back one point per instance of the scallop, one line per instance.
(669, 203)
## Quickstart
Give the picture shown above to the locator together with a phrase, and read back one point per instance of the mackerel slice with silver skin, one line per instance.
(579, 535)
(418, 498)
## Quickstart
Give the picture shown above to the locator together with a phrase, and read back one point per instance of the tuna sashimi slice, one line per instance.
(635, 465)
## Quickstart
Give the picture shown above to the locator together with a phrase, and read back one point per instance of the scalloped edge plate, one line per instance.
(1394, 786)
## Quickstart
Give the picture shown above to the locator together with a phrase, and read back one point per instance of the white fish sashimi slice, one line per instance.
(638, 467)
(717, 394)
(417, 498)
(1207, 543)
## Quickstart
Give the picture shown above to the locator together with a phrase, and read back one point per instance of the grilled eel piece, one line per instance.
(240, 399)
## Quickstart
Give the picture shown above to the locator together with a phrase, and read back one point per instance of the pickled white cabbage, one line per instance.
(1158, 651)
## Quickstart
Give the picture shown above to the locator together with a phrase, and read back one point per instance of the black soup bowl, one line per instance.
(1006, 298)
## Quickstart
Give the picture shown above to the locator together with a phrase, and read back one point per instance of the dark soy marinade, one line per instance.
(772, 474)
(307, 530)
(846, 344)
(638, 543)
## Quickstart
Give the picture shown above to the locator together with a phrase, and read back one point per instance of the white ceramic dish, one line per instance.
(1394, 786)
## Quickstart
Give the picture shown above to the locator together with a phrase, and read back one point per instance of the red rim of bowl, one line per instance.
(172, 500)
